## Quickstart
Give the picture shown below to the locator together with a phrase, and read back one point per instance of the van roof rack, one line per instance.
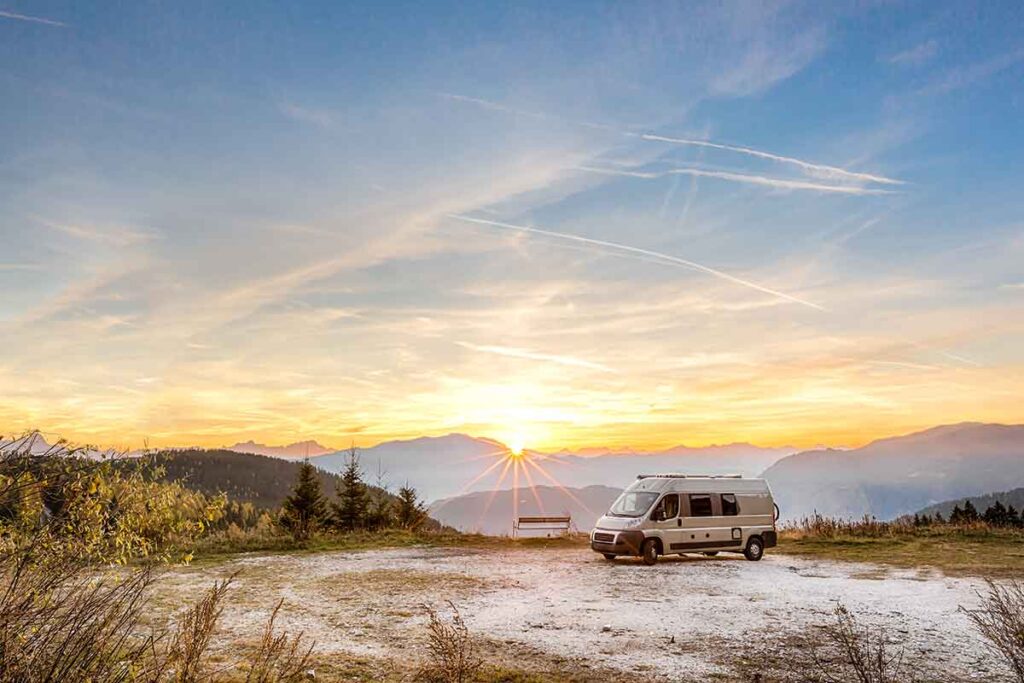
(689, 476)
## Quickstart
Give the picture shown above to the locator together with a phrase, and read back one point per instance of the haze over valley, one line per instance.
(887, 478)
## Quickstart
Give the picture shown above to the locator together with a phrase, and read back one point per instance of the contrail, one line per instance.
(35, 20)
(830, 171)
(533, 355)
(807, 166)
(642, 252)
(780, 183)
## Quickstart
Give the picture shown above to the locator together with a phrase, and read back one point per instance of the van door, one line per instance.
(698, 525)
(725, 526)
(665, 520)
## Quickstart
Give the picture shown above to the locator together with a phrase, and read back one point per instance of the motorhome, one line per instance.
(673, 514)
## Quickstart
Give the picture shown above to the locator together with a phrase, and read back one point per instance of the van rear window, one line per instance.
(700, 505)
(729, 506)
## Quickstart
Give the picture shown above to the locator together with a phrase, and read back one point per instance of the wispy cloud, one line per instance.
(515, 111)
(313, 115)
(768, 59)
(35, 20)
(765, 181)
(19, 266)
(526, 354)
(820, 170)
(1012, 285)
(112, 235)
(645, 253)
(917, 55)
(966, 76)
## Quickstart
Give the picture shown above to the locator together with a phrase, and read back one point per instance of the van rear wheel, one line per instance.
(649, 551)
(755, 549)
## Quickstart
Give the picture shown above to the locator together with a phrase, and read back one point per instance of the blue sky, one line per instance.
(556, 223)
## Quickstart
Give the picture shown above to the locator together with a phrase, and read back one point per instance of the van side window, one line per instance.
(700, 505)
(668, 508)
(729, 506)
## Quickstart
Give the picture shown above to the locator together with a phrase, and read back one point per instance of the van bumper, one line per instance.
(620, 543)
(770, 539)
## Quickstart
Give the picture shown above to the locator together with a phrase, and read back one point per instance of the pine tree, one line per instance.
(353, 497)
(939, 519)
(957, 515)
(996, 515)
(304, 510)
(1013, 518)
(970, 512)
(381, 512)
(411, 513)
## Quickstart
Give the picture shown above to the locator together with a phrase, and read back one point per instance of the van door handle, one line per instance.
(679, 522)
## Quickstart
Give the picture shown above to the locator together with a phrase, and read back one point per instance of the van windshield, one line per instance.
(633, 503)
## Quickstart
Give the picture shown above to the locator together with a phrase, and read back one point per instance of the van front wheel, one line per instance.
(649, 551)
(755, 549)
(609, 556)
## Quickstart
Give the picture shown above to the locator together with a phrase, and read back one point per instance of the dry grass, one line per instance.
(215, 547)
(281, 658)
(57, 622)
(1000, 620)
(185, 658)
(959, 550)
(452, 658)
(844, 650)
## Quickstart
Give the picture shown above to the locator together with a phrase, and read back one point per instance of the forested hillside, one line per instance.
(258, 479)
(1014, 497)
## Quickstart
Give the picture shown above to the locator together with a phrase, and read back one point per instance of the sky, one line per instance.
(555, 224)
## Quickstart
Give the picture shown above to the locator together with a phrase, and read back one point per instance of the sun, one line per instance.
(516, 444)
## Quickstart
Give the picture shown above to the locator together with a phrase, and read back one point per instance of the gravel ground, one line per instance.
(680, 619)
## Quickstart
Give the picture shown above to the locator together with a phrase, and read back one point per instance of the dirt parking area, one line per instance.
(685, 618)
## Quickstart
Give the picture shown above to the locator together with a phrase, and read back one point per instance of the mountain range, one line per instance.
(900, 475)
(300, 449)
(446, 466)
(491, 512)
(885, 479)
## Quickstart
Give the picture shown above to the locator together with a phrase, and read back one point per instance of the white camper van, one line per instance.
(672, 514)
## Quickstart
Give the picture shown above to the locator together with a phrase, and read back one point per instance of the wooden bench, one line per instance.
(563, 525)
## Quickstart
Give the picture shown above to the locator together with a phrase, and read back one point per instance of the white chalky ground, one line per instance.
(676, 620)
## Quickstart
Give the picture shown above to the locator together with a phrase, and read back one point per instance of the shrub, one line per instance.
(452, 659)
(109, 514)
(1000, 620)
(280, 658)
(58, 622)
(853, 652)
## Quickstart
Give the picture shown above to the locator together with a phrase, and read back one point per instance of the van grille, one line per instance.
(604, 538)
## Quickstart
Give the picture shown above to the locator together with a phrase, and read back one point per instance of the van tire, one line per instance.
(755, 549)
(609, 556)
(649, 551)
(711, 553)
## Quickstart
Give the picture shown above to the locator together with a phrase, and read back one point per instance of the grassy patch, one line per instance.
(955, 551)
(217, 547)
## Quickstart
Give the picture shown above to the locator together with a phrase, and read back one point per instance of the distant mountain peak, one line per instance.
(299, 449)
